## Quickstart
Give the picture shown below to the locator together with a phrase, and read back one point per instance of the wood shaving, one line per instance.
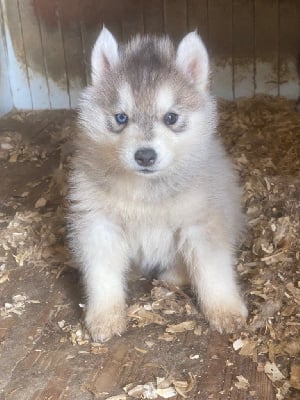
(144, 317)
(77, 335)
(263, 137)
(249, 348)
(17, 306)
(139, 350)
(146, 391)
(166, 337)
(182, 327)
(4, 277)
(97, 348)
(117, 397)
(41, 202)
(273, 372)
(198, 330)
(238, 344)
(165, 387)
(295, 376)
(184, 387)
(242, 383)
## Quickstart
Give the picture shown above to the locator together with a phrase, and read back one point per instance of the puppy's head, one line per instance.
(148, 110)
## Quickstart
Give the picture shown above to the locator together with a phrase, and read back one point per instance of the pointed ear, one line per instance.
(105, 54)
(192, 59)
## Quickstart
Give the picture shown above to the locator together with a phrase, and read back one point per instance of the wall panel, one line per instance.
(220, 46)
(243, 47)
(16, 57)
(266, 46)
(254, 44)
(6, 100)
(153, 16)
(34, 55)
(289, 48)
(54, 57)
(175, 18)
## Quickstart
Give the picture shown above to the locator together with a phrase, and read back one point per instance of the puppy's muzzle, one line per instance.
(145, 157)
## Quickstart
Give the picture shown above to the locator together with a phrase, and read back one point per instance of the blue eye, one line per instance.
(121, 118)
(170, 118)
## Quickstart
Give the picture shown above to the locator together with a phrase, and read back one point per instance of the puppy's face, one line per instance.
(148, 110)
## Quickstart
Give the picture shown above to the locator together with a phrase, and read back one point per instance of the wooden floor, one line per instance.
(43, 353)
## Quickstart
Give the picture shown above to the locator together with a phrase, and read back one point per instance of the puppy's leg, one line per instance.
(211, 268)
(103, 253)
(176, 275)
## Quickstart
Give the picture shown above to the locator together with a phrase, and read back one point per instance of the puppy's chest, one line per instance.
(153, 231)
(152, 245)
(151, 235)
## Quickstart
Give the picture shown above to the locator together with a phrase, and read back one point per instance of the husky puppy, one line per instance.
(151, 183)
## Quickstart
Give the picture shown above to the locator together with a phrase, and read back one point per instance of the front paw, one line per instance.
(102, 325)
(226, 316)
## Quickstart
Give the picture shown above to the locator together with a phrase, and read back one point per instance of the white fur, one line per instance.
(192, 59)
(210, 261)
(104, 251)
(126, 99)
(165, 99)
(189, 228)
(105, 54)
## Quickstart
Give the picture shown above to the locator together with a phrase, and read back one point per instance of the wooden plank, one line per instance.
(73, 51)
(175, 17)
(221, 369)
(6, 100)
(34, 56)
(260, 384)
(94, 16)
(197, 17)
(243, 48)
(289, 48)
(91, 22)
(115, 26)
(104, 14)
(57, 386)
(17, 67)
(112, 15)
(266, 46)
(89, 36)
(220, 46)
(132, 20)
(153, 16)
(110, 375)
(54, 60)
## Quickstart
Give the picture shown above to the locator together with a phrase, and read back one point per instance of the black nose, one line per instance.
(145, 157)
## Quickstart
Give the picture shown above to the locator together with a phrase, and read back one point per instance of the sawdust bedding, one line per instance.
(263, 137)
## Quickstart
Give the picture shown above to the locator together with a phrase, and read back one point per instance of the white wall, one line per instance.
(6, 100)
